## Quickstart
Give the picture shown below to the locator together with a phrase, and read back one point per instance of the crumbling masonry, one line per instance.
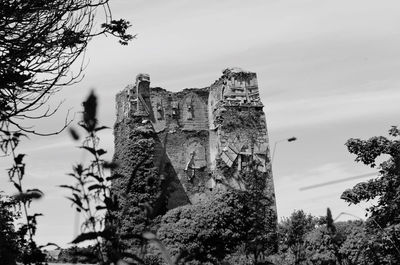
(203, 137)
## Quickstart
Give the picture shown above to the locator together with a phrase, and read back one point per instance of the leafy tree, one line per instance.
(9, 239)
(262, 233)
(293, 232)
(383, 224)
(339, 243)
(305, 239)
(208, 231)
(352, 248)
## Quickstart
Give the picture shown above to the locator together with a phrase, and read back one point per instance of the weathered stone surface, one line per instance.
(205, 137)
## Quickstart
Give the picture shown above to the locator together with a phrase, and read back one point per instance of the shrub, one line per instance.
(209, 231)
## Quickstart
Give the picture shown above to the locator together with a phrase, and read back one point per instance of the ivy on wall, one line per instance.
(141, 186)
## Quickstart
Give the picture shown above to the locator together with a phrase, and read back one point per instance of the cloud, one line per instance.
(333, 108)
(315, 201)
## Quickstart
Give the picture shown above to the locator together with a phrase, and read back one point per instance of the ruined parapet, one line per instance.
(142, 99)
(239, 132)
(205, 137)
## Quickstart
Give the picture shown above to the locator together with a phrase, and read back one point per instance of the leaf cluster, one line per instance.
(384, 215)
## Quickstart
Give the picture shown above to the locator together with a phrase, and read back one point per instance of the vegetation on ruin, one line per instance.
(137, 196)
(233, 119)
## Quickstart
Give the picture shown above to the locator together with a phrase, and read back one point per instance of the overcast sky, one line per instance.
(327, 71)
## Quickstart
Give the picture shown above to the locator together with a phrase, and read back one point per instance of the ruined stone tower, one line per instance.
(202, 138)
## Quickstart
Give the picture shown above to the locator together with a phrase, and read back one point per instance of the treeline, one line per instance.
(305, 239)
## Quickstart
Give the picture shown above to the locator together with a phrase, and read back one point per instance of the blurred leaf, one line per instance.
(74, 134)
(35, 191)
(32, 194)
(99, 179)
(18, 159)
(90, 149)
(110, 203)
(18, 187)
(30, 217)
(77, 202)
(85, 236)
(89, 112)
(95, 186)
(110, 165)
(101, 128)
(69, 187)
(78, 169)
(101, 152)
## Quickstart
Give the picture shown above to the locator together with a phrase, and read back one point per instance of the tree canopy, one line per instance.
(209, 231)
(384, 215)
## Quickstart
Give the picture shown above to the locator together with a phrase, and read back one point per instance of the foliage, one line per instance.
(210, 230)
(30, 252)
(336, 243)
(262, 233)
(139, 191)
(384, 216)
(9, 239)
(93, 196)
(292, 235)
(232, 119)
(91, 193)
(353, 247)
(306, 239)
(39, 42)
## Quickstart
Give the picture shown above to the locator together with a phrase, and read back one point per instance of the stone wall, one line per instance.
(203, 138)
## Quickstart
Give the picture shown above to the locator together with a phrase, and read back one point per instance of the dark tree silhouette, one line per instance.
(9, 248)
(39, 41)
